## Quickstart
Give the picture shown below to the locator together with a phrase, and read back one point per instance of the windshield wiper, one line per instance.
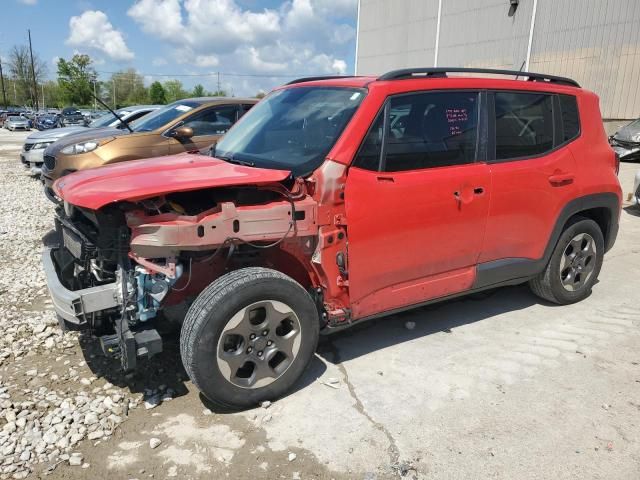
(122, 120)
(235, 160)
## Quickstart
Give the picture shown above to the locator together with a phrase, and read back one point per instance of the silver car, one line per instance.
(14, 123)
(35, 144)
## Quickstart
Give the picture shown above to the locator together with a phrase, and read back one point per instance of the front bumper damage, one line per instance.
(78, 310)
(75, 306)
(626, 150)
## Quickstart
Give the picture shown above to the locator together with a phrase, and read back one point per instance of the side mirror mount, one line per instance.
(182, 132)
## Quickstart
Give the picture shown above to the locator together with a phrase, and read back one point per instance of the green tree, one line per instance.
(77, 79)
(157, 95)
(174, 90)
(127, 88)
(260, 94)
(199, 91)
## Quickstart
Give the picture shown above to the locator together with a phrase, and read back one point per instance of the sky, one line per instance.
(254, 44)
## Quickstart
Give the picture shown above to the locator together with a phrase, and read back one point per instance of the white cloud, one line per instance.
(93, 30)
(206, 61)
(28, 2)
(159, 61)
(301, 37)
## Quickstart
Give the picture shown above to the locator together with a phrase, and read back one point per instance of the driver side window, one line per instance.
(423, 130)
(214, 121)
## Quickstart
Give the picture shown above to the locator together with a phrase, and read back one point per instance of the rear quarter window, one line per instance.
(570, 117)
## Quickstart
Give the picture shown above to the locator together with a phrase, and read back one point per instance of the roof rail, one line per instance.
(442, 72)
(312, 79)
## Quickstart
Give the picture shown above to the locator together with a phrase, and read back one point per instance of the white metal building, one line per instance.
(596, 42)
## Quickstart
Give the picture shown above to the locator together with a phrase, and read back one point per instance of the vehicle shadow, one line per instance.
(444, 316)
(165, 371)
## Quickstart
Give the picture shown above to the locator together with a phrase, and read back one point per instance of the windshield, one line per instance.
(16, 119)
(159, 118)
(105, 120)
(291, 129)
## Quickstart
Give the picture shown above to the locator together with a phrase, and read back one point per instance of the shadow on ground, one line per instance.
(439, 317)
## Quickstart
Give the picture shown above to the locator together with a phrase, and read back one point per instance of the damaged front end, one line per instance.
(94, 285)
(119, 270)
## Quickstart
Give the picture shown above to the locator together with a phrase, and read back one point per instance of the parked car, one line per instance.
(32, 155)
(128, 114)
(626, 141)
(185, 125)
(635, 197)
(316, 214)
(46, 122)
(72, 116)
(14, 122)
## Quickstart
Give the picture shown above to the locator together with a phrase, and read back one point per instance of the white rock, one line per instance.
(292, 456)
(96, 435)
(76, 459)
(154, 442)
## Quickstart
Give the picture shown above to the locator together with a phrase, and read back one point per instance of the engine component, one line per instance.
(151, 289)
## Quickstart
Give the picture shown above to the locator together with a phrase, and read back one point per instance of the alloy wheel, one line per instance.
(578, 262)
(258, 344)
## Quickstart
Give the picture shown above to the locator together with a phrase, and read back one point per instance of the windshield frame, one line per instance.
(303, 168)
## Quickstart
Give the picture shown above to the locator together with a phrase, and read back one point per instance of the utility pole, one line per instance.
(43, 104)
(95, 105)
(4, 92)
(218, 91)
(33, 75)
(114, 93)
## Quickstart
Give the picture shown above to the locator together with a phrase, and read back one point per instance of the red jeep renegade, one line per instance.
(333, 201)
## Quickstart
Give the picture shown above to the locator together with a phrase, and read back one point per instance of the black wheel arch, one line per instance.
(603, 208)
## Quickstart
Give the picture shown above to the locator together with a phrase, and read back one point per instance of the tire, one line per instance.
(216, 342)
(570, 275)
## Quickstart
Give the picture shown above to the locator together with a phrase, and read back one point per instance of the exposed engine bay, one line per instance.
(124, 265)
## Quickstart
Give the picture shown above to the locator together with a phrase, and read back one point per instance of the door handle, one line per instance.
(561, 178)
(385, 179)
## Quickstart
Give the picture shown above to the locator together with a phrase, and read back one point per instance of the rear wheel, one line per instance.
(249, 336)
(574, 265)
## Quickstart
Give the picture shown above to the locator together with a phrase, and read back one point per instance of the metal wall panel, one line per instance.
(597, 42)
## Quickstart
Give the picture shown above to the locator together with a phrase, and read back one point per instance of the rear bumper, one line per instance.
(74, 306)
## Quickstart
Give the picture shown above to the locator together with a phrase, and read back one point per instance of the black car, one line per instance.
(72, 116)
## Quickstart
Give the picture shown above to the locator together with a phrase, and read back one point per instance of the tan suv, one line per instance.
(182, 126)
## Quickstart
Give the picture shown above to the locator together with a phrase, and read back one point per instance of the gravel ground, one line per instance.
(493, 386)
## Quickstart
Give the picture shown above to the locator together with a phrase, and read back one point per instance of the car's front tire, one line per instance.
(249, 336)
(574, 265)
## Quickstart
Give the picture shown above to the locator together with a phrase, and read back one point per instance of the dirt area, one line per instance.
(497, 385)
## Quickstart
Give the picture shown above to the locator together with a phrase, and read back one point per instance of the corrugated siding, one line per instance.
(476, 33)
(597, 42)
(396, 34)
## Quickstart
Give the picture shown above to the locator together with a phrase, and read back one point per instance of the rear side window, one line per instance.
(424, 130)
(214, 121)
(570, 117)
(523, 124)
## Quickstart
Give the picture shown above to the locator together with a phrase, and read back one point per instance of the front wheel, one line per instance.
(574, 265)
(249, 336)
